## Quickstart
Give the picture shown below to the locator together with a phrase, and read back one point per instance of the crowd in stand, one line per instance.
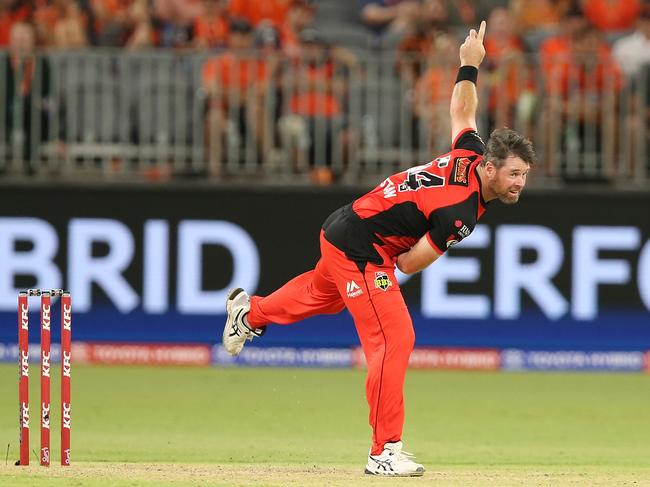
(585, 53)
(591, 47)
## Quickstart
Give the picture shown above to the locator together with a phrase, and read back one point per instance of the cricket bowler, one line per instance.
(408, 221)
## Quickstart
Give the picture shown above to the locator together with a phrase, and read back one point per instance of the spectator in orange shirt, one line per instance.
(44, 17)
(584, 63)
(6, 21)
(60, 24)
(430, 102)
(257, 11)
(508, 77)
(430, 31)
(581, 87)
(211, 26)
(111, 21)
(539, 19)
(313, 126)
(555, 50)
(235, 83)
(11, 12)
(421, 63)
(300, 15)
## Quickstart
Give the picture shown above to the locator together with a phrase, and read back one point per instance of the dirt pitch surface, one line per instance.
(141, 474)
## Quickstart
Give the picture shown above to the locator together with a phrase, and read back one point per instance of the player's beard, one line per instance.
(506, 197)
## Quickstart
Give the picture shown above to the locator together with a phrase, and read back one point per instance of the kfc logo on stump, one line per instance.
(67, 319)
(24, 363)
(45, 361)
(66, 364)
(66, 416)
(24, 317)
(45, 323)
(24, 414)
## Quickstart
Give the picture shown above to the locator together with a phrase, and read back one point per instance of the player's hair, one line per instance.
(504, 143)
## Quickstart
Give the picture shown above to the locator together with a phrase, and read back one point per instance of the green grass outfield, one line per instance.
(140, 426)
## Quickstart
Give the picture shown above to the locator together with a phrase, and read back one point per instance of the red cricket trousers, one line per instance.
(381, 318)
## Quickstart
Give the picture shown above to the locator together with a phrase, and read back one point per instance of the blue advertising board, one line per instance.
(557, 272)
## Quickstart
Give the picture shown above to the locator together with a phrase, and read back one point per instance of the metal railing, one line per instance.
(163, 114)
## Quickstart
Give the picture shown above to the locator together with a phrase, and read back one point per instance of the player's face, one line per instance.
(508, 181)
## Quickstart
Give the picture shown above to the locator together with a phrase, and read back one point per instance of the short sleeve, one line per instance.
(451, 224)
(469, 139)
(441, 235)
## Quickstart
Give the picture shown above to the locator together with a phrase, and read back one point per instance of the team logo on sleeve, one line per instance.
(459, 172)
(382, 281)
(452, 240)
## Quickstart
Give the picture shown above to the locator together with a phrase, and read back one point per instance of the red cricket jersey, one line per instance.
(441, 199)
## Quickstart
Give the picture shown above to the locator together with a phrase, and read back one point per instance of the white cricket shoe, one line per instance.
(394, 462)
(236, 332)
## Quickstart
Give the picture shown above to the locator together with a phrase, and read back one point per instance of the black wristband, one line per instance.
(467, 73)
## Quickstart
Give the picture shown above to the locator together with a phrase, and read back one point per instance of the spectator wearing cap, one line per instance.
(235, 82)
(313, 125)
(211, 26)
